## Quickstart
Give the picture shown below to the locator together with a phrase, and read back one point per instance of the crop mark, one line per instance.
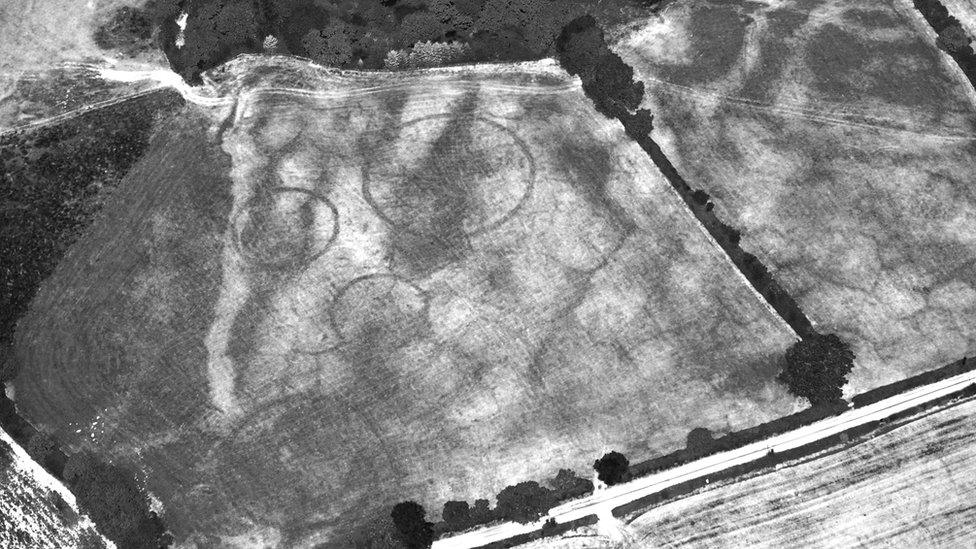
(458, 183)
(268, 235)
(381, 309)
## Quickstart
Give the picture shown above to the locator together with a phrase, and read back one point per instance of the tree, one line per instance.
(410, 522)
(457, 514)
(699, 441)
(524, 502)
(816, 368)
(606, 79)
(329, 46)
(953, 39)
(481, 513)
(568, 484)
(612, 468)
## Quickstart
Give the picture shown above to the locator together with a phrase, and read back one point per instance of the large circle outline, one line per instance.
(334, 323)
(305, 258)
(526, 196)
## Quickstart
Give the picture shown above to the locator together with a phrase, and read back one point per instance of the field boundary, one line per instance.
(626, 498)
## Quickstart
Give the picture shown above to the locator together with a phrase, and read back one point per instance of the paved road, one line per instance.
(619, 495)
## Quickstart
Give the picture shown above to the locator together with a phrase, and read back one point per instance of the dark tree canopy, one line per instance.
(456, 513)
(606, 78)
(816, 368)
(409, 520)
(612, 468)
(524, 502)
(481, 512)
(699, 440)
(567, 484)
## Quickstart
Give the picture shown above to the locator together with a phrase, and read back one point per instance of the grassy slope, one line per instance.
(599, 316)
(840, 140)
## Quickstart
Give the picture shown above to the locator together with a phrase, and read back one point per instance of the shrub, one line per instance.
(44, 449)
(524, 502)
(329, 46)
(612, 468)
(816, 368)
(409, 520)
(481, 513)
(568, 484)
(953, 39)
(67, 514)
(700, 441)
(457, 514)
(111, 497)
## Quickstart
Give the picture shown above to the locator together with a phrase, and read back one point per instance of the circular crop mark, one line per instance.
(380, 311)
(466, 178)
(286, 226)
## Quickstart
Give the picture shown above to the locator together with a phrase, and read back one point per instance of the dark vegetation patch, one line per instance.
(357, 33)
(714, 57)
(612, 468)
(129, 29)
(522, 502)
(840, 60)
(952, 37)
(54, 181)
(412, 525)
(363, 34)
(111, 497)
(106, 493)
(816, 368)
(59, 90)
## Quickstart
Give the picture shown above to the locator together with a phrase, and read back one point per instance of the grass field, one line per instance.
(840, 141)
(481, 282)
